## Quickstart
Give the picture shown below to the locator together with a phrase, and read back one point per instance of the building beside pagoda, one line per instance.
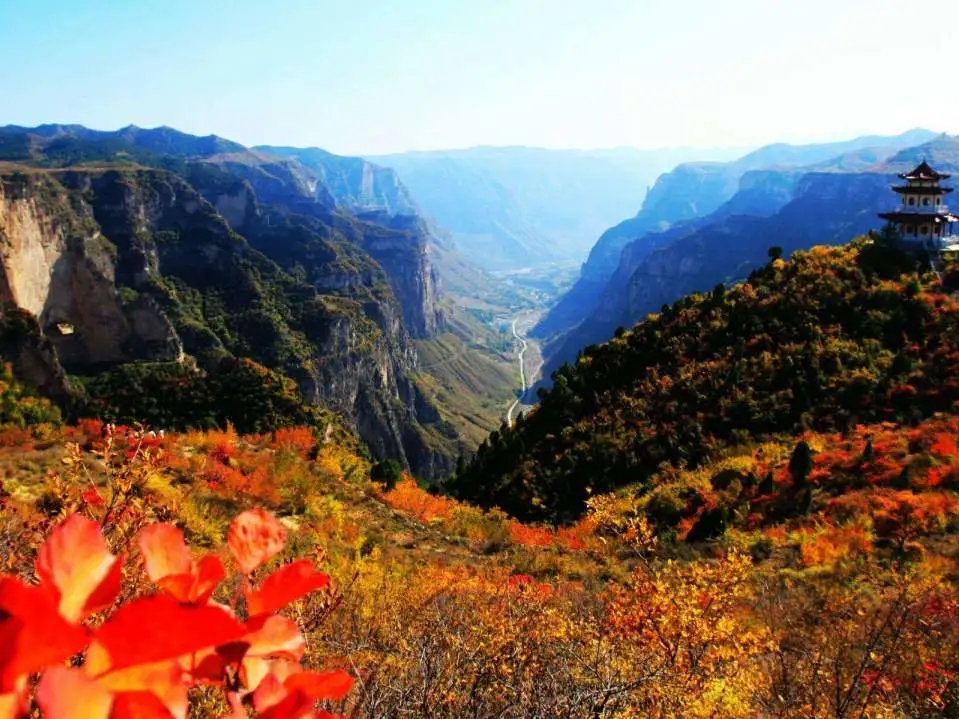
(923, 219)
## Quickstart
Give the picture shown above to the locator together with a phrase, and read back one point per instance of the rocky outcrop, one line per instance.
(758, 183)
(355, 184)
(393, 232)
(58, 266)
(32, 356)
(402, 252)
(119, 266)
(238, 206)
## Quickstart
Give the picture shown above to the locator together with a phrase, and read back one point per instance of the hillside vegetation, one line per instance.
(833, 338)
(715, 595)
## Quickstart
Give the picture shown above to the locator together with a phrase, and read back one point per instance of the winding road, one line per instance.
(522, 374)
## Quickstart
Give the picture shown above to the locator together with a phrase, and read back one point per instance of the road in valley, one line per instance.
(525, 344)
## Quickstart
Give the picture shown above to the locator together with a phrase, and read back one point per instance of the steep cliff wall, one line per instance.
(403, 254)
(56, 264)
(125, 265)
(355, 183)
(711, 189)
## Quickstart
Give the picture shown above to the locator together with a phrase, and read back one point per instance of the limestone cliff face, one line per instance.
(56, 265)
(118, 266)
(828, 208)
(393, 232)
(354, 182)
(403, 254)
(238, 206)
(273, 190)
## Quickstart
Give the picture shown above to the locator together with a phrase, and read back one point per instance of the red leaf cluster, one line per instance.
(145, 656)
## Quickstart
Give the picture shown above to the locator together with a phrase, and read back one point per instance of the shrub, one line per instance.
(387, 472)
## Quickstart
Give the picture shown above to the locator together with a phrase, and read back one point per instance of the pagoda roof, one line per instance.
(919, 218)
(913, 190)
(924, 172)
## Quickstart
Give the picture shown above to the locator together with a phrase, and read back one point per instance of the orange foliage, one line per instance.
(530, 535)
(572, 538)
(833, 544)
(900, 515)
(408, 497)
(151, 650)
(298, 440)
(11, 436)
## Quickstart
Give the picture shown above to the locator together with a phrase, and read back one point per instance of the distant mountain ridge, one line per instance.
(690, 199)
(515, 207)
(353, 181)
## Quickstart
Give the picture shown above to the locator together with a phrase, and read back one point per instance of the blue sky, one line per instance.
(373, 76)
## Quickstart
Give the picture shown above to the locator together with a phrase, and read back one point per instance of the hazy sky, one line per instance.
(358, 76)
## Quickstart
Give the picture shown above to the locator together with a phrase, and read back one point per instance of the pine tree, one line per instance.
(801, 463)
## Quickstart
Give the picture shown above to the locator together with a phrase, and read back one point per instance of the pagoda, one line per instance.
(922, 217)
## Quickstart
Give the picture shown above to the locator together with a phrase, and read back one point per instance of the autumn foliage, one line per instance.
(140, 658)
(808, 572)
(834, 338)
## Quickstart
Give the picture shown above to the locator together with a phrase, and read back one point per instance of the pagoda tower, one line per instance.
(922, 217)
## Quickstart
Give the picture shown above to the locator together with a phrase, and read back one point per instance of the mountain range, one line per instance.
(149, 258)
(509, 208)
(704, 223)
(145, 261)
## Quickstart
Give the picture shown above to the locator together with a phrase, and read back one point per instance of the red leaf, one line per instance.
(170, 566)
(76, 563)
(70, 694)
(178, 586)
(32, 632)
(269, 692)
(292, 706)
(209, 573)
(13, 704)
(139, 705)
(164, 551)
(269, 638)
(254, 538)
(152, 629)
(273, 636)
(320, 685)
(106, 592)
(294, 699)
(92, 497)
(144, 687)
(284, 585)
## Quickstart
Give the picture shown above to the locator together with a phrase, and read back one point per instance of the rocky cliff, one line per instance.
(58, 266)
(135, 264)
(364, 203)
(354, 182)
(790, 209)
(700, 189)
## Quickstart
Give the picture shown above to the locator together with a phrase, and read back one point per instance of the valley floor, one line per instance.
(530, 362)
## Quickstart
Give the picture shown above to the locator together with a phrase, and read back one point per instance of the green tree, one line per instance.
(801, 463)
(387, 472)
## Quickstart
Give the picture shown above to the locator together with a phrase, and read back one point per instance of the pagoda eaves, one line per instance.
(924, 172)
